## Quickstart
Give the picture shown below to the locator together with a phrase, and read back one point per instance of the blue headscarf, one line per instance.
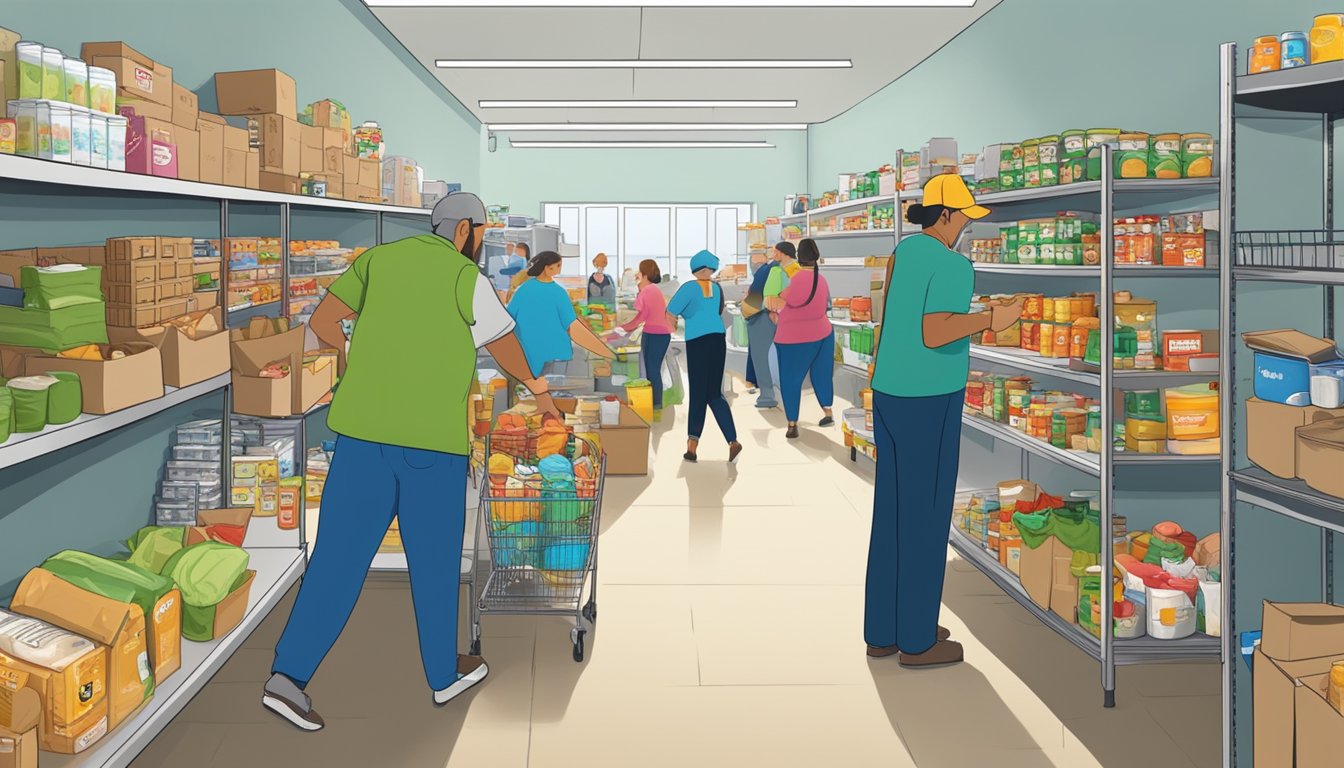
(704, 260)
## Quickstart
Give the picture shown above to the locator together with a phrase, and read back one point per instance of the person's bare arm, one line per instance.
(943, 328)
(584, 337)
(326, 325)
(508, 355)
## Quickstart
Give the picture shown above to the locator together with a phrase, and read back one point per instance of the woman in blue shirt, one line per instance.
(546, 322)
(701, 304)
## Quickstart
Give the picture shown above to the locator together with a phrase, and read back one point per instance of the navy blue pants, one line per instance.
(918, 446)
(654, 349)
(704, 368)
(368, 485)
(798, 362)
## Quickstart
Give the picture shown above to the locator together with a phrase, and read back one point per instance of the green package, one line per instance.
(6, 413)
(61, 286)
(31, 395)
(152, 546)
(54, 330)
(65, 400)
(206, 573)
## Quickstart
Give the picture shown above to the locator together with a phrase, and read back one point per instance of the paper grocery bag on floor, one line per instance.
(117, 625)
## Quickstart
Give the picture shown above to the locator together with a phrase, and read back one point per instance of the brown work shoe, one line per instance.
(943, 653)
(883, 651)
(734, 449)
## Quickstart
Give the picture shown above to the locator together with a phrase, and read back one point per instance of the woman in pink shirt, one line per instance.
(805, 340)
(651, 312)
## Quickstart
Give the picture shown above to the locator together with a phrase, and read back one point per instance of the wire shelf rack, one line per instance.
(1316, 249)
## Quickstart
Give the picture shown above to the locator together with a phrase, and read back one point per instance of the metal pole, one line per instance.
(284, 259)
(1107, 419)
(1328, 309)
(301, 468)
(378, 228)
(1226, 383)
(225, 420)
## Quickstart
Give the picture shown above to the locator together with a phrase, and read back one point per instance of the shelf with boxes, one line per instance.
(1285, 390)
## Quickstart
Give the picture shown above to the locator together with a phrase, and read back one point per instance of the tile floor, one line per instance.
(729, 634)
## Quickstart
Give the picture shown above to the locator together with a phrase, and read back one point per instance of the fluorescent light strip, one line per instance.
(670, 3)
(636, 104)
(586, 127)
(643, 63)
(641, 145)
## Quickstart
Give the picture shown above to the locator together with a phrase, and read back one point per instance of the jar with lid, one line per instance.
(103, 90)
(1327, 38)
(1266, 55)
(1294, 50)
(76, 83)
(29, 56)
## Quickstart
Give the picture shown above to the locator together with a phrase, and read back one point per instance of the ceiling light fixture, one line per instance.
(643, 63)
(641, 145)
(586, 127)
(670, 3)
(637, 104)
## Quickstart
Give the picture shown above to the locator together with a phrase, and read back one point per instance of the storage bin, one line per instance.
(1327, 384)
(1280, 379)
(1171, 615)
(1320, 456)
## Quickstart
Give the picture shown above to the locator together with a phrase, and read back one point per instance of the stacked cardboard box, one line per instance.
(9, 64)
(1295, 724)
(147, 280)
(266, 97)
(143, 84)
(402, 179)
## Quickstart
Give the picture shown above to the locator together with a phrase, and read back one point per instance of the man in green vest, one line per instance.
(400, 416)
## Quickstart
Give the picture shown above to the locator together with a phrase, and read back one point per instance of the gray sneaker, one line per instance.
(470, 671)
(285, 699)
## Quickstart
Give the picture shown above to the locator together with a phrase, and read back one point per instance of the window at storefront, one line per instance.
(668, 233)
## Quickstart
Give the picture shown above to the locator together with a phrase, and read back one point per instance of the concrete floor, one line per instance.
(729, 634)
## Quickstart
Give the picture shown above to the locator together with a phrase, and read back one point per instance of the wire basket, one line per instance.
(1291, 249)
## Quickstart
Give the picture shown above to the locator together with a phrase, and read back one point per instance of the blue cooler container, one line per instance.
(1280, 379)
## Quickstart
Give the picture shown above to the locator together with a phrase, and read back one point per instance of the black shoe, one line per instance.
(826, 422)
(792, 434)
(689, 457)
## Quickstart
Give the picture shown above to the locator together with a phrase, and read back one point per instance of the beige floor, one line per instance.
(729, 635)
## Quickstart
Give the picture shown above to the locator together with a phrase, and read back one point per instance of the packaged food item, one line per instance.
(1073, 156)
(116, 143)
(9, 133)
(1336, 694)
(1327, 38)
(1265, 56)
(97, 139)
(53, 75)
(1031, 163)
(58, 118)
(1192, 413)
(1132, 160)
(369, 141)
(69, 674)
(1166, 156)
(102, 90)
(290, 496)
(1048, 153)
(29, 56)
(1095, 138)
(76, 82)
(1197, 155)
(1010, 166)
(81, 136)
(1294, 50)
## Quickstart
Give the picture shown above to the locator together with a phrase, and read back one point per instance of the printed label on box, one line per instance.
(144, 80)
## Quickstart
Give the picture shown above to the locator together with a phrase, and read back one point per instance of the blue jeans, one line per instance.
(369, 484)
(797, 362)
(654, 349)
(760, 345)
(918, 446)
(704, 369)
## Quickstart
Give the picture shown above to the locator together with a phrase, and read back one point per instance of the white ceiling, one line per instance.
(883, 43)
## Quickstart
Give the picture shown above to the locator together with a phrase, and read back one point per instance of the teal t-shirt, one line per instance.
(926, 278)
(543, 313)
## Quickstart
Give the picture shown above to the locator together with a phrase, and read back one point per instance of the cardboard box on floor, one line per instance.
(20, 716)
(118, 627)
(186, 360)
(1288, 725)
(1296, 631)
(625, 445)
(1271, 433)
(1319, 727)
(1038, 570)
(110, 385)
(256, 92)
(74, 698)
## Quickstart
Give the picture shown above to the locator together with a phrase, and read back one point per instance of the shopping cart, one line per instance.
(542, 543)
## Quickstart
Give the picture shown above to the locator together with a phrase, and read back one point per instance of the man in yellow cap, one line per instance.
(919, 383)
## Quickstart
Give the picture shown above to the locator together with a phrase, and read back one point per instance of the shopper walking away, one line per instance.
(805, 340)
(651, 313)
(918, 384)
(519, 274)
(761, 328)
(601, 288)
(402, 444)
(701, 304)
(546, 319)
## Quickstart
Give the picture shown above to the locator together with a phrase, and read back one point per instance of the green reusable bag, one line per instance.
(54, 330)
(61, 286)
(152, 546)
(112, 579)
(31, 395)
(206, 573)
(65, 399)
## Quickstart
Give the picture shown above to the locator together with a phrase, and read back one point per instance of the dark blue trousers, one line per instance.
(654, 349)
(918, 443)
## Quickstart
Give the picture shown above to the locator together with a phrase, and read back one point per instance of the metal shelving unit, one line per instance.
(1106, 198)
(278, 557)
(1304, 258)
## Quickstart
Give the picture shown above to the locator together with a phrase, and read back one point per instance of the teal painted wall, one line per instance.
(332, 48)
(525, 178)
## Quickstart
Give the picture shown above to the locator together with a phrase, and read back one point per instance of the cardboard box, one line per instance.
(229, 612)
(1271, 433)
(20, 716)
(334, 162)
(186, 360)
(1038, 570)
(12, 262)
(237, 138)
(626, 444)
(233, 516)
(1319, 728)
(200, 301)
(131, 248)
(252, 168)
(186, 109)
(350, 168)
(74, 699)
(1279, 710)
(1064, 589)
(1296, 631)
(335, 184)
(111, 385)
(134, 272)
(278, 182)
(132, 293)
(174, 248)
(118, 627)
(235, 167)
(151, 146)
(138, 76)
(370, 174)
(144, 108)
(281, 144)
(311, 160)
(314, 385)
(257, 92)
(188, 154)
(210, 136)
(250, 351)
(9, 75)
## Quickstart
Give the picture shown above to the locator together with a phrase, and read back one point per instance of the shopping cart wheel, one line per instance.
(590, 612)
(577, 637)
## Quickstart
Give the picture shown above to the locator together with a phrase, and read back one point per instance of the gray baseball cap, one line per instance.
(457, 206)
